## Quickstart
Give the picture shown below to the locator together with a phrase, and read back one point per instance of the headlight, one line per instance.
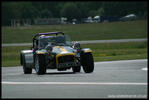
(49, 48)
(77, 46)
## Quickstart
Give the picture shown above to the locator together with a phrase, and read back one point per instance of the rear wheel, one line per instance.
(25, 69)
(87, 62)
(40, 67)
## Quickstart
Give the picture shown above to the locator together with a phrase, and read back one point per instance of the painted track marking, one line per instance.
(75, 83)
(145, 69)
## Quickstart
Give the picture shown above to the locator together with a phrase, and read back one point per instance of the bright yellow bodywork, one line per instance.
(40, 52)
(87, 51)
(59, 55)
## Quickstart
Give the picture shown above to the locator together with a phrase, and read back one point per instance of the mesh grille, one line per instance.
(64, 59)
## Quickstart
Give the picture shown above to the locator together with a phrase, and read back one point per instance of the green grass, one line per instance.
(78, 32)
(118, 51)
(93, 31)
(101, 52)
(11, 55)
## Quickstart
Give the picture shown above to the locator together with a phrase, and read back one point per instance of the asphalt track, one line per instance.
(111, 79)
(85, 42)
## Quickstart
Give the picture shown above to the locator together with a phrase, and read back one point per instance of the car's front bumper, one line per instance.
(68, 64)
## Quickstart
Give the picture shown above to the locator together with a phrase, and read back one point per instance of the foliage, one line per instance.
(46, 14)
(78, 10)
(70, 11)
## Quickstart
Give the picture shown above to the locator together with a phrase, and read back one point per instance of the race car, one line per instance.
(54, 50)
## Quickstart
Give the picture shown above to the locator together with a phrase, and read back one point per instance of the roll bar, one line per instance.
(47, 33)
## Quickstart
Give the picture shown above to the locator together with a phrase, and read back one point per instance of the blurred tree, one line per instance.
(10, 10)
(123, 8)
(28, 10)
(70, 11)
(17, 10)
(77, 9)
(46, 14)
(100, 12)
(53, 7)
(83, 9)
(92, 13)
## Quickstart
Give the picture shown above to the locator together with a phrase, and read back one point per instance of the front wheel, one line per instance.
(27, 70)
(87, 62)
(40, 67)
(76, 69)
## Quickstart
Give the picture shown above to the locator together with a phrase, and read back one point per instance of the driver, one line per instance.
(60, 39)
(43, 41)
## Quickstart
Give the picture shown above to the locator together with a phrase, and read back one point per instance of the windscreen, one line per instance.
(60, 40)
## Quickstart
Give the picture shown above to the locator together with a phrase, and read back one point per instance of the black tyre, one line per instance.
(25, 69)
(76, 69)
(87, 62)
(40, 67)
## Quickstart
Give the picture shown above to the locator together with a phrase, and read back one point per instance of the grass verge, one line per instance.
(78, 32)
(101, 52)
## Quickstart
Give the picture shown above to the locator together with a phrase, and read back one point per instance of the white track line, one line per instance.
(74, 83)
(145, 69)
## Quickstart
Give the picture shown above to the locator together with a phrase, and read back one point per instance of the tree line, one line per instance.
(73, 9)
